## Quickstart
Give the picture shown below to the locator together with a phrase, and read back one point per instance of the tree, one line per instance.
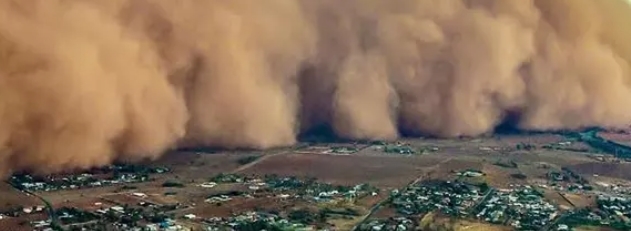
(484, 187)
(519, 176)
(172, 184)
(110, 215)
(247, 160)
(322, 216)
(303, 216)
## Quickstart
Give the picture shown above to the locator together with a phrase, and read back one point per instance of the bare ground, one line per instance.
(614, 170)
(385, 170)
(11, 198)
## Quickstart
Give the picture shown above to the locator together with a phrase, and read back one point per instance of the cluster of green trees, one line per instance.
(344, 212)
(302, 216)
(132, 216)
(519, 176)
(172, 184)
(591, 138)
(578, 178)
(525, 146)
(247, 159)
(399, 149)
(229, 178)
(276, 182)
(344, 149)
(581, 217)
(257, 226)
(137, 169)
(506, 164)
(232, 193)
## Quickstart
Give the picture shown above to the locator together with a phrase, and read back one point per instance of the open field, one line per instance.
(614, 170)
(87, 204)
(558, 199)
(11, 198)
(199, 166)
(623, 137)
(64, 196)
(387, 171)
(433, 221)
(14, 225)
(20, 223)
(580, 201)
(240, 205)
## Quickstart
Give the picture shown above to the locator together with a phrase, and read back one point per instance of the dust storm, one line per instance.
(87, 82)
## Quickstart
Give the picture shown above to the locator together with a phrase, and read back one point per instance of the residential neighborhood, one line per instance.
(450, 198)
(328, 189)
(111, 175)
(521, 207)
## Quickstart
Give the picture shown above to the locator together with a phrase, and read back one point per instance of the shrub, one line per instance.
(519, 176)
(172, 184)
(247, 159)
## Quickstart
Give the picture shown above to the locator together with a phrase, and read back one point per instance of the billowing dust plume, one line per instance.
(87, 82)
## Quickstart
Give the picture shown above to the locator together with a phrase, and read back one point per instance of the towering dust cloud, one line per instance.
(86, 82)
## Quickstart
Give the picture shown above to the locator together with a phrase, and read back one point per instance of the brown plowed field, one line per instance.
(12, 198)
(621, 138)
(388, 171)
(622, 170)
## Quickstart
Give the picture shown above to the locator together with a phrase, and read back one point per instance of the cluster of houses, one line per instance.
(254, 221)
(622, 189)
(452, 198)
(391, 224)
(143, 216)
(17, 212)
(309, 190)
(615, 208)
(521, 207)
(147, 216)
(342, 150)
(111, 175)
(289, 187)
(470, 173)
(402, 148)
(166, 225)
(567, 180)
(611, 211)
